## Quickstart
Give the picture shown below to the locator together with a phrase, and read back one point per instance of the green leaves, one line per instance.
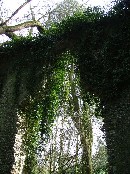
(97, 46)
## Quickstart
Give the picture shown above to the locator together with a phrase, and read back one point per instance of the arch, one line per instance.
(102, 51)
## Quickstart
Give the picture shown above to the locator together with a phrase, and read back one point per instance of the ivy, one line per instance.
(100, 47)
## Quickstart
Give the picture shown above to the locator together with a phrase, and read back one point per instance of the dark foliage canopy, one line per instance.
(100, 45)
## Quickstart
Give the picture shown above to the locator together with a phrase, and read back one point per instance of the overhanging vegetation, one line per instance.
(100, 48)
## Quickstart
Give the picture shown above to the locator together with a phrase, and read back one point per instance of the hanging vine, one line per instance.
(99, 43)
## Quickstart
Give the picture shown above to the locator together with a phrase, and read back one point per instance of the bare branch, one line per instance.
(32, 13)
(33, 18)
(4, 23)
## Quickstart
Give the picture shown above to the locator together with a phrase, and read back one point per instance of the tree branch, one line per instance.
(7, 30)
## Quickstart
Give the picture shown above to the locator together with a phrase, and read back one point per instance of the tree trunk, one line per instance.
(117, 127)
(8, 119)
(13, 93)
(86, 156)
(85, 133)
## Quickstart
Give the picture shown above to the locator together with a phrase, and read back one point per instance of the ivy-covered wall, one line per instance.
(100, 45)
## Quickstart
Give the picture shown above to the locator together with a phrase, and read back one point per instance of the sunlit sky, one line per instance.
(13, 5)
(9, 7)
(43, 5)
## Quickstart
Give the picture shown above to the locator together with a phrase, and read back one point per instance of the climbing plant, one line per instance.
(100, 44)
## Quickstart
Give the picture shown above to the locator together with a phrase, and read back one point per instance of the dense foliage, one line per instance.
(100, 45)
